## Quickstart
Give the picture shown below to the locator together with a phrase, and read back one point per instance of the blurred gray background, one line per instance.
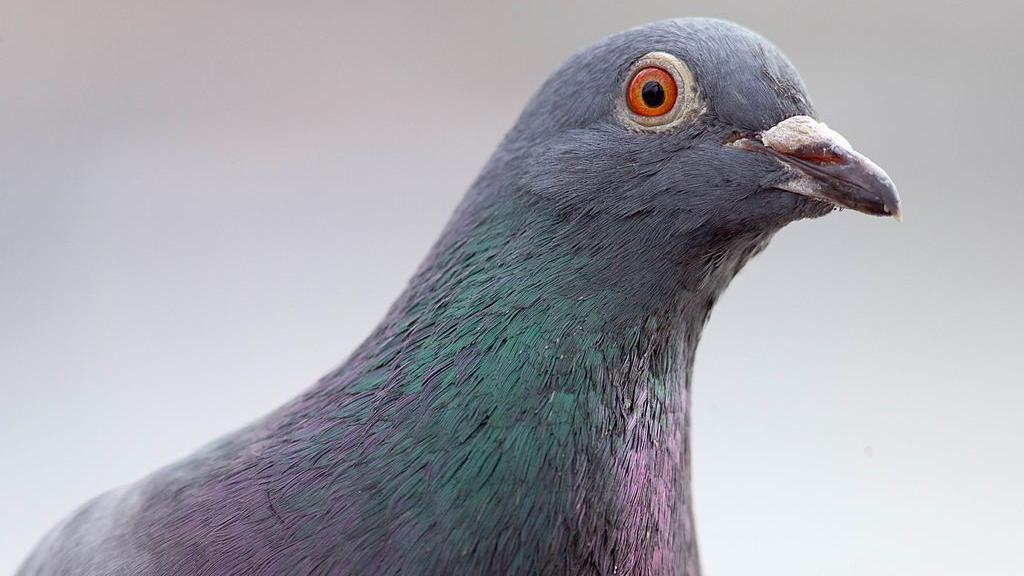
(206, 206)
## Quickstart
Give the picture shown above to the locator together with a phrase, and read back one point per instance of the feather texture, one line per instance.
(524, 406)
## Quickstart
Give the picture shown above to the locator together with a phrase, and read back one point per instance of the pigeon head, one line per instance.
(692, 131)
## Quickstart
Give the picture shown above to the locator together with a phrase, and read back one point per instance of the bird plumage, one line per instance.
(524, 406)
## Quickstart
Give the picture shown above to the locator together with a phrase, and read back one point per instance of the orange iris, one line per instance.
(652, 92)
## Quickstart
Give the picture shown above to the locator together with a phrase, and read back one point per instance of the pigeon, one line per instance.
(523, 408)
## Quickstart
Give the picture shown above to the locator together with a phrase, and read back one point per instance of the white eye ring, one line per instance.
(688, 104)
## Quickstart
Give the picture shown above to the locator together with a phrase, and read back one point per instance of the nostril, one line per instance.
(818, 153)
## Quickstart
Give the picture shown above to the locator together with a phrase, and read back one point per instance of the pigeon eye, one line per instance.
(660, 93)
(652, 92)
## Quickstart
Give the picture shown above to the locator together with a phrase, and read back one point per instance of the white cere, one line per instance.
(799, 132)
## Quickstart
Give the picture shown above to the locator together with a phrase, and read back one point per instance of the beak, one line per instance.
(822, 164)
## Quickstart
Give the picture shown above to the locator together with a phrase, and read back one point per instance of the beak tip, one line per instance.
(892, 200)
(891, 205)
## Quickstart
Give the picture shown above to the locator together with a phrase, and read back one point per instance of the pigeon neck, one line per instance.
(545, 383)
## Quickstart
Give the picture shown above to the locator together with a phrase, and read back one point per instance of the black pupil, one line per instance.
(652, 93)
